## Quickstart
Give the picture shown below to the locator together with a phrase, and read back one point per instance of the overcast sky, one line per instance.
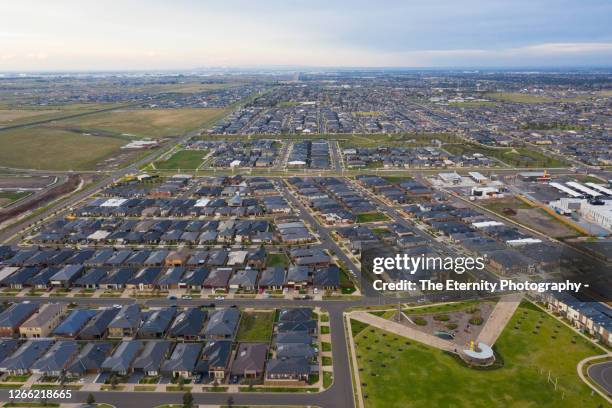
(182, 34)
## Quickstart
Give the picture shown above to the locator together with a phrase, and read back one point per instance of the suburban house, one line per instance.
(42, 323)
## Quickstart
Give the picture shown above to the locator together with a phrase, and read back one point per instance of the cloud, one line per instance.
(568, 48)
(37, 55)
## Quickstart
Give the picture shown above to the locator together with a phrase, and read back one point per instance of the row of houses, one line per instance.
(29, 320)
(334, 199)
(289, 359)
(591, 317)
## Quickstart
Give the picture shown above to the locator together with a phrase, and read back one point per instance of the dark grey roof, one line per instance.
(217, 353)
(75, 321)
(289, 350)
(188, 323)
(43, 277)
(222, 323)
(301, 337)
(184, 358)
(151, 357)
(273, 276)
(145, 276)
(16, 314)
(122, 357)
(128, 317)
(288, 366)
(157, 321)
(56, 358)
(195, 277)
(120, 277)
(26, 355)
(326, 277)
(171, 277)
(295, 314)
(90, 358)
(7, 347)
(98, 324)
(250, 357)
(93, 277)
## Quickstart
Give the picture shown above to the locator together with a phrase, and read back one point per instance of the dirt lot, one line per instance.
(539, 220)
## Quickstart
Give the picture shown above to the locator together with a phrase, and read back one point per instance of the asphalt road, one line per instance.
(602, 374)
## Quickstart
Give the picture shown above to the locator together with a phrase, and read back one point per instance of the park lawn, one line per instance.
(255, 326)
(398, 372)
(371, 217)
(153, 123)
(9, 197)
(48, 148)
(183, 159)
(279, 259)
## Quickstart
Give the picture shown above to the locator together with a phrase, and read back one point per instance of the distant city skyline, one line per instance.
(182, 35)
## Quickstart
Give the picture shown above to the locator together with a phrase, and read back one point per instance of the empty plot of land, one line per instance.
(15, 116)
(255, 326)
(50, 148)
(153, 123)
(9, 197)
(531, 217)
(183, 159)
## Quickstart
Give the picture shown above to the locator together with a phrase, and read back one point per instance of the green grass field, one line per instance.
(518, 157)
(22, 114)
(8, 197)
(255, 326)
(277, 260)
(153, 123)
(371, 217)
(48, 148)
(183, 159)
(398, 372)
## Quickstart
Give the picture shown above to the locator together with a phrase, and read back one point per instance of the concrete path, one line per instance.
(499, 318)
(579, 369)
(393, 327)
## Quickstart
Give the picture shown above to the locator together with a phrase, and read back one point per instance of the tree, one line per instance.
(114, 382)
(187, 400)
(90, 399)
(181, 382)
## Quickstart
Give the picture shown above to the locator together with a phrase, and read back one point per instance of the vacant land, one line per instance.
(371, 217)
(8, 197)
(15, 116)
(397, 372)
(277, 260)
(152, 123)
(21, 114)
(531, 217)
(518, 157)
(183, 159)
(49, 148)
(255, 326)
